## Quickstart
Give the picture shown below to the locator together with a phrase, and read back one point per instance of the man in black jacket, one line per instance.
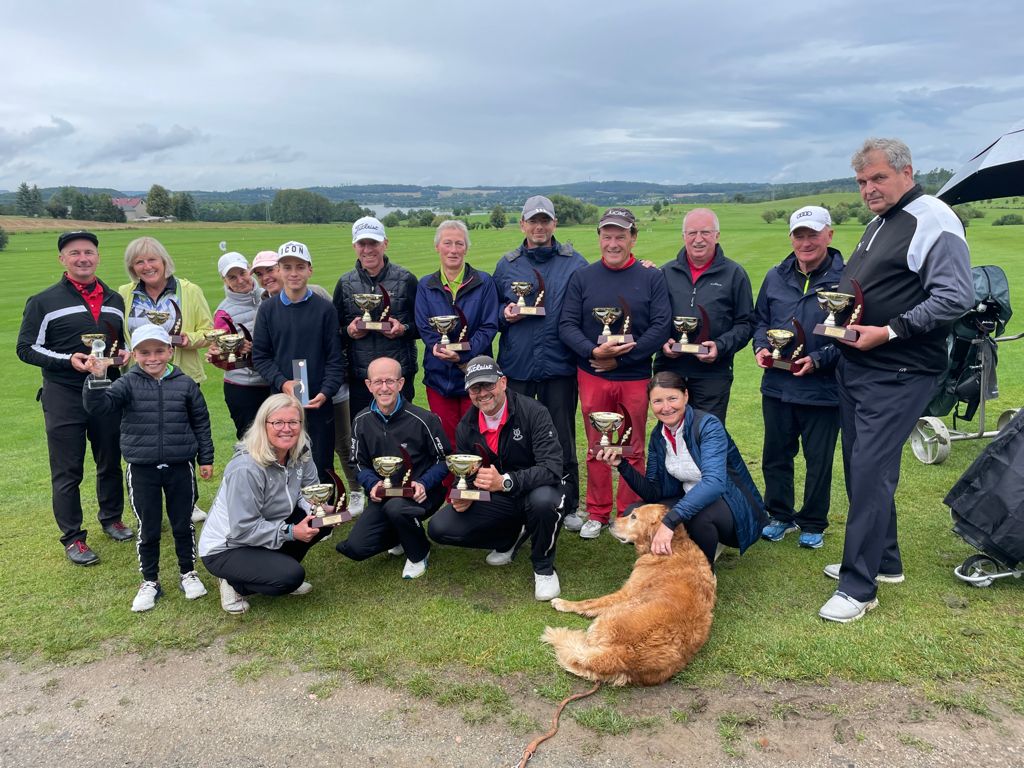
(523, 475)
(51, 338)
(914, 269)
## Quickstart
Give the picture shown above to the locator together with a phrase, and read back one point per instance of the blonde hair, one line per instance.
(143, 245)
(255, 439)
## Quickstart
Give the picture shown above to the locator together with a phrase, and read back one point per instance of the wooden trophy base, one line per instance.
(399, 493)
(527, 311)
(470, 495)
(835, 332)
(783, 365)
(689, 349)
(625, 451)
(370, 325)
(177, 340)
(616, 338)
(329, 521)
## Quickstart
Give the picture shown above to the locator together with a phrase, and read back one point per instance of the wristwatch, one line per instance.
(506, 482)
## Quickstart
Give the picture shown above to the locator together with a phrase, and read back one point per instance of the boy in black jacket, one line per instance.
(164, 425)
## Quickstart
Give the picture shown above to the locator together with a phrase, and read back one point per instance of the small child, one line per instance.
(164, 426)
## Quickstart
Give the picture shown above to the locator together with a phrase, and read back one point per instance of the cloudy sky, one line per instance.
(220, 95)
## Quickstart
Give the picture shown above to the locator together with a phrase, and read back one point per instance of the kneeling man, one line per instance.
(388, 426)
(523, 477)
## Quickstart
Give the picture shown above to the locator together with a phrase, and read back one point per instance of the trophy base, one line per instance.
(784, 365)
(396, 493)
(689, 349)
(224, 365)
(98, 383)
(329, 521)
(370, 325)
(625, 451)
(456, 346)
(527, 311)
(177, 340)
(471, 495)
(835, 332)
(616, 338)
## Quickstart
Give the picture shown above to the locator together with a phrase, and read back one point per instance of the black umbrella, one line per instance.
(996, 171)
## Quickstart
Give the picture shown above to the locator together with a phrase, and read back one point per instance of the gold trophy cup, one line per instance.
(317, 495)
(685, 326)
(461, 465)
(607, 422)
(230, 344)
(779, 338)
(522, 289)
(834, 302)
(367, 302)
(386, 466)
(445, 324)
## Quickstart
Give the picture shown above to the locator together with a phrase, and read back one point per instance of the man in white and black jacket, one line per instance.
(523, 476)
(913, 266)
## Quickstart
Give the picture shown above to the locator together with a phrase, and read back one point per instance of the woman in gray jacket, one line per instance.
(259, 529)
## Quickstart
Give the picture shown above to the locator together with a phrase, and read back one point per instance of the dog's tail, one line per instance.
(575, 654)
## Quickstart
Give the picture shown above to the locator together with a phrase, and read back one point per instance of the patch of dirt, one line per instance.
(187, 709)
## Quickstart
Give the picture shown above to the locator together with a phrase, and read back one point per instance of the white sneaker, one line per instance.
(573, 522)
(499, 558)
(192, 586)
(397, 551)
(591, 529)
(546, 587)
(719, 549)
(198, 515)
(844, 609)
(832, 571)
(356, 502)
(414, 570)
(231, 601)
(303, 589)
(147, 596)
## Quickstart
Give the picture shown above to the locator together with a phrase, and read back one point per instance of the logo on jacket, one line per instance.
(517, 434)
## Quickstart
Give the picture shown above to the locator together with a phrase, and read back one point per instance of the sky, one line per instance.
(221, 95)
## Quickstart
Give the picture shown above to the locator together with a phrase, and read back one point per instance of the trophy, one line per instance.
(522, 289)
(461, 465)
(97, 343)
(319, 494)
(609, 315)
(370, 301)
(230, 344)
(686, 325)
(607, 422)
(300, 373)
(834, 303)
(386, 466)
(445, 324)
(780, 338)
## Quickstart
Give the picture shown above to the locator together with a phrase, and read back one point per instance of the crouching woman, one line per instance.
(258, 529)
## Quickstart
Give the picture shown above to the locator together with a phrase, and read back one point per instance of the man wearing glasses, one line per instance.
(393, 426)
(522, 471)
(701, 277)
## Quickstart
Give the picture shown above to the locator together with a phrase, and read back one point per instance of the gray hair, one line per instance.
(451, 224)
(145, 245)
(714, 217)
(255, 439)
(897, 154)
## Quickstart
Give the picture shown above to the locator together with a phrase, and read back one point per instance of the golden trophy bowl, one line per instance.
(442, 324)
(607, 315)
(317, 495)
(605, 422)
(522, 289)
(386, 466)
(156, 317)
(833, 302)
(366, 302)
(461, 465)
(685, 326)
(213, 334)
(778, 338)
(231, 343)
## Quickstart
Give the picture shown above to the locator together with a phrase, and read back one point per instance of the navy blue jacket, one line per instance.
(723, 475)
(478, 300)
(529, 349)
(787, 293)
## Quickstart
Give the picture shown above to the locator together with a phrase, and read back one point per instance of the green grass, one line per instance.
(463, 618)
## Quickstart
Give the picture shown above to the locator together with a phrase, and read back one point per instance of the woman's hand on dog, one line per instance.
(661, 544)
(611, 458)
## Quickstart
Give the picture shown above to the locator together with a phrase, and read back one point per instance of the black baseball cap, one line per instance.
(79, 234)
(482, 369)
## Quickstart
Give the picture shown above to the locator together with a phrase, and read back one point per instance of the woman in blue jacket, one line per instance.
(694, 469)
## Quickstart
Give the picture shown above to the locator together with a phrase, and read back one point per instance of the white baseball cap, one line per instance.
(295, 249)
(150, 332)
(368, 228)
(230, 261)
(811, 216)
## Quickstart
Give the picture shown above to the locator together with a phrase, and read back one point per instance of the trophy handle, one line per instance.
(540, 288)
(485, 454)
(232, 328)
(857, 316)
(705, 325)
(176, 328)
(801, 337)
(385, 301)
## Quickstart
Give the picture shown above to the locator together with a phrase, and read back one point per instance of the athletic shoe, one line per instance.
(776, 530)
(844, 609)
(500, 558)
(198, 515)
(591, 529)
(192, 586)
(546, 587)
(356, 503)
(719, 549)
(147, 596)
(118, 531)
(303, 589)
(397, 551)
(812, 540)
(231, 601)
(414, 570)
(78, 552)
(573, 522)
(832, 571)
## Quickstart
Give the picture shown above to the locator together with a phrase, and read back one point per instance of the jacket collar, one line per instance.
(681, 262)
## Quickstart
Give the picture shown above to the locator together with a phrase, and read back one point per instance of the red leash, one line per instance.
(532, 747)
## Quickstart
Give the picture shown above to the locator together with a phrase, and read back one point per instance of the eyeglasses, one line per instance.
(378, 383)
(476, 389)
(280, 426)
(705, 233)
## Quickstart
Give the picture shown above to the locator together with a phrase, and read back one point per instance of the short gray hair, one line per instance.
(897, 154)
(714, 217)
(451, 224)
(144, 245)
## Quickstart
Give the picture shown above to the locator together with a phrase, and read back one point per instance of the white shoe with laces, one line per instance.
(414, 570)
(145, 599)
(231, 601)
(192, 586)
(591, 529)
(546, 587)
(303, 589)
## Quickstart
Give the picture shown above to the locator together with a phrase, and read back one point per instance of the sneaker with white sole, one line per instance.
(147, 596)
(192, 586)
(844, 609)
(809, 540)
(231, 601)
(776, 530)
(198, 515)
(573, 522)
(832, 571)
(356, 503)
(591, 529)
(546, 587)
(303, 589)
(414, 570)
(397, 551)
(496, 557)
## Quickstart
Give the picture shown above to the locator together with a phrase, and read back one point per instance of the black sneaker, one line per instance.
(78, 552)
(118, 531)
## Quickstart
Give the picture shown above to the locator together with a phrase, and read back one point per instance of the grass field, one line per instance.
(932, 632)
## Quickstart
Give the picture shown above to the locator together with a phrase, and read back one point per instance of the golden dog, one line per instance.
(655, 624)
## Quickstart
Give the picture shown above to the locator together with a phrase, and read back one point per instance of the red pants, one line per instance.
(598, 394)
(450, 410)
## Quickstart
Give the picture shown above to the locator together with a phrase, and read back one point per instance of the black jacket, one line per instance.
(528, 449)
(411, 427)
(401, 285)
(163, 421)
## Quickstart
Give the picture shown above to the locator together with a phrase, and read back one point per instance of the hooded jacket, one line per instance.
(240, 309)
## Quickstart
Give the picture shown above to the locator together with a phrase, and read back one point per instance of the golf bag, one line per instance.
(972, 347)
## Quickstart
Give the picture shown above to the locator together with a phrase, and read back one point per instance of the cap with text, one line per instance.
(150, 332)
(79, 234)
(295, 250)
(617, 217)
(811, 216)
(537, 205)
(482, 370)
(232, 260)
(368, 228)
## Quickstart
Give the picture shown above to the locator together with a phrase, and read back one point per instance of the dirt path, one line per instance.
(188, 710)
